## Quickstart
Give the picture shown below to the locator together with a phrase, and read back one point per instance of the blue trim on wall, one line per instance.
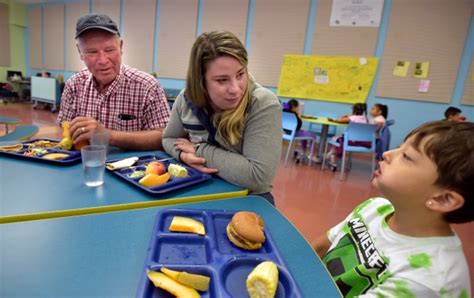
(379, 47)
(43, 58)
(464, 65)
(122, 18)
(310, 27)
(200, 10)
(248, 31)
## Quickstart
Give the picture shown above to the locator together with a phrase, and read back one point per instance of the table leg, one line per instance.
(322, 141)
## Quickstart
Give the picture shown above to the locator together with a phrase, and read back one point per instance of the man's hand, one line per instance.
(82, 128)
(198, 163)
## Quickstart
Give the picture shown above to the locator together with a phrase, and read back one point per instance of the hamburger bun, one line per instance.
(245, 230)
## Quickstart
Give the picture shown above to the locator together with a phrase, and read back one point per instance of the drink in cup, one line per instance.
(93, 163)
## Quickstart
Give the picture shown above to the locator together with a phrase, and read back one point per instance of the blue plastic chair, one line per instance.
(289, 124)
(383, 144)
(20, 133)
(355, 132)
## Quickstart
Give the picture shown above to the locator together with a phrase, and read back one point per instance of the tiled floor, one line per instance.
(312, 199)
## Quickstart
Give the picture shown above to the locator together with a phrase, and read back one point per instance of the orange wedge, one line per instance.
(152, 180)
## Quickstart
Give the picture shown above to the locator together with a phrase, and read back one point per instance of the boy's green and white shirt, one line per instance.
(367, 258)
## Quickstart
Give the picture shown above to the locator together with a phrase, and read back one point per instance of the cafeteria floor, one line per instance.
(312, 199)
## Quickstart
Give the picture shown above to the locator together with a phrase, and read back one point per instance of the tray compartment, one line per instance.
(224, 246)
(182, 250)
(152, 291)
(234, 276)
(166, 219)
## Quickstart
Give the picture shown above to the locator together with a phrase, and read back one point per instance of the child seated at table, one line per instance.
(292, 106)
(378, 116)
(358, 116)
(454, 114)
(403, 246)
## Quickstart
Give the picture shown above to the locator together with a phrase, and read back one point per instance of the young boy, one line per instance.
(403, 246)
(454, 114)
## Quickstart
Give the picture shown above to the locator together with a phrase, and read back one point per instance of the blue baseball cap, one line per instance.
(96, 21)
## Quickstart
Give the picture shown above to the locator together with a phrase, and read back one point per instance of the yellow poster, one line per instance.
(421, 70)
(332, 78)
(401, 69)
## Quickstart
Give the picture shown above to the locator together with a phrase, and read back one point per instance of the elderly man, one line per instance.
(109, 96)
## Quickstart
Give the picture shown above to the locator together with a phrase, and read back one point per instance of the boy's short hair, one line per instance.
(450, 146)
(451, 111)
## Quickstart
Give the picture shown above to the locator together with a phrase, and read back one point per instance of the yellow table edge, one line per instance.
(118, 207)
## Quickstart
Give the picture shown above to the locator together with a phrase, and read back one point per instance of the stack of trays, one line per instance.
(212, 255)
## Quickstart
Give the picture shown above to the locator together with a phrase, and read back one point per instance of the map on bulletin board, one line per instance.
(331, 78)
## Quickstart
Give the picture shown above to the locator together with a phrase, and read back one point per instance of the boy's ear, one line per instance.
(445, 201)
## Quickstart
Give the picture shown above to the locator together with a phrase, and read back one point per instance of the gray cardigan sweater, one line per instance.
(253, 161)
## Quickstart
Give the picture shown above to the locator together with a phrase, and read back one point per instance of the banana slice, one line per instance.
(124, 163)
(14, 148)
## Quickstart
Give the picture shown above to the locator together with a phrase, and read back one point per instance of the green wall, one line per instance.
(17, 23)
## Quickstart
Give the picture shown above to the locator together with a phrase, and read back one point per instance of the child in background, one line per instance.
(358, 116)
(454, 114)
(378, 116)
(292, 106)
(403, 246)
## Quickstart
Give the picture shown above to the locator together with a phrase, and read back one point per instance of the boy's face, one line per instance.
(407, 176)
(457, 118)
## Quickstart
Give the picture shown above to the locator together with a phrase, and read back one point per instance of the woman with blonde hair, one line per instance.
(224, 122)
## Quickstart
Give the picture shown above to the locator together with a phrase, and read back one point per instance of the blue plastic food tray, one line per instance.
(212, 254)
(194, 176)
(73, 158)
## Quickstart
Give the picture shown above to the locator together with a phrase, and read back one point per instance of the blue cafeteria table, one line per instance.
(31, 190)
(103, 255)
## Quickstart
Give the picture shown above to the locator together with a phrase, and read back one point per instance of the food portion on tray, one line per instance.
(213, 253)
(155, 175)
(42, 149)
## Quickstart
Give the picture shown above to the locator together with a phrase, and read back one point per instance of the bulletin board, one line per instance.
(228, 15)
(468, 96)
(175, 42)
(138, 36)
(279, 28)
(425, 31)
(74, 11)
(53, 35)
(34, 38)
(332, 78)
(341, 41)
(4, 36)
(110, 8)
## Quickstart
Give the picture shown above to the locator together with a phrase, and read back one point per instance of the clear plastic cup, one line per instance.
(101, 139)
(93, 164)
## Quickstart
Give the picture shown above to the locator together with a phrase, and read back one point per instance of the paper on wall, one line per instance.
(424, 86)
(401, 69)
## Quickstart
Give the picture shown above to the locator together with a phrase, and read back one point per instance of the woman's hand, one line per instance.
(185, 145)
(196, 162)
